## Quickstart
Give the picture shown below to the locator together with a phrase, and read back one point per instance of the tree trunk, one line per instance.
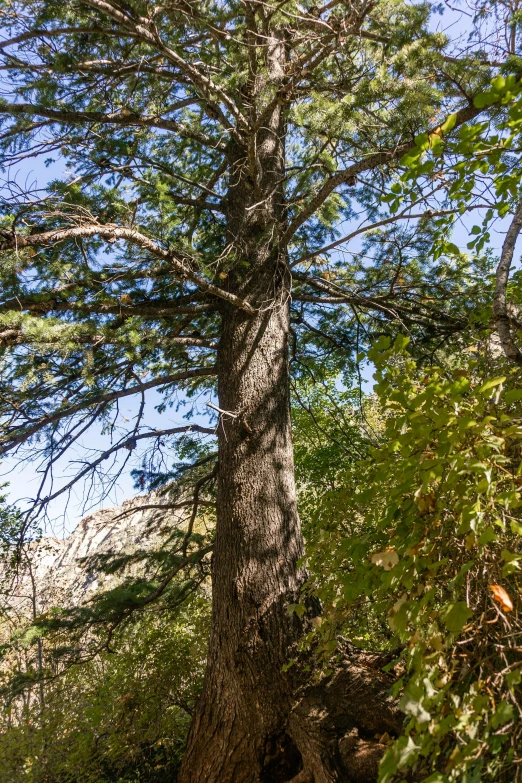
(255, 576)
(254, 723)
(246, 697)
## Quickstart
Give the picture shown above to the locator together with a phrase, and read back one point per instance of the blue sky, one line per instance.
(24, 479)
(68, 509)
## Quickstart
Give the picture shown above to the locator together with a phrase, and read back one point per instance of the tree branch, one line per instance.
(366, 164)
(177, 262)
(12, 439)
(124, 118)
(384, 222)
(500, 305)
(205, 85)
(47, 303)
(166, 506)
(336, 294)
(17, 336)
(130, 444)
(57, 31)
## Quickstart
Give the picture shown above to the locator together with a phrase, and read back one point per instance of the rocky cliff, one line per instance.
(61, 572)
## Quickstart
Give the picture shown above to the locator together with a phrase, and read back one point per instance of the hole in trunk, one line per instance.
(282, 760)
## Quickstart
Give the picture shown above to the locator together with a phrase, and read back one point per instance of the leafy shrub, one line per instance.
(424, 545)
(121, 717)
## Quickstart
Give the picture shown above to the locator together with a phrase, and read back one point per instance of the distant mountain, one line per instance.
(59, 571)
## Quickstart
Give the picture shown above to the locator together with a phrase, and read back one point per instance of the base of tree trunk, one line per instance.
(336, 731)
(340, 725)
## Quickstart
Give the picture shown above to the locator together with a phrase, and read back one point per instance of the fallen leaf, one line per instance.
(385, 559)
(426, 503)
(500, 595)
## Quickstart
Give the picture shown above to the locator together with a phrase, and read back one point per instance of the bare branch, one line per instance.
(20, 435)
(129, 444)
(165, 506)
(500, 306)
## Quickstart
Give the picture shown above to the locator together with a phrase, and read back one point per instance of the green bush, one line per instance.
(121, 717)
(424, 548)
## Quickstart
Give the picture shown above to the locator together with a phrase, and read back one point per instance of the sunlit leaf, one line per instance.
(502, 597)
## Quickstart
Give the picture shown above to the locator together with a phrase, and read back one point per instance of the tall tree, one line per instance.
(215, 152)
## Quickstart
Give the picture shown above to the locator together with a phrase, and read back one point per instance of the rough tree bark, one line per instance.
(258, 543)
(255, 723)
(501, 315)
(255, 575)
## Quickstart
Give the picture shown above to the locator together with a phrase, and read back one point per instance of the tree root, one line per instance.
(341, 724)
(303, 777)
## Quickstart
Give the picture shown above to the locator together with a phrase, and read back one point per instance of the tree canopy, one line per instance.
(254, 203)
(112, 274)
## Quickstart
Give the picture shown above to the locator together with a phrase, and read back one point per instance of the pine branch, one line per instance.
(18, 436)
(178, 263)
(389, 305)
(203, 83)
(366, 164)
(405, 215)
(49, 301)
(18, 336)
(57, 31)
(123, 118)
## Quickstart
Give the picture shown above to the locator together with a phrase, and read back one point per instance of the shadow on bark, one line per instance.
(338, 728)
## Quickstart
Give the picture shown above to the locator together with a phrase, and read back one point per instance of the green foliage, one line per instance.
(329, 435)
(11, 526)
(412, 514)
(107, 686)
(121, 717)
(425, 551)
(145, 147)
(410, 501)
(479, 159)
